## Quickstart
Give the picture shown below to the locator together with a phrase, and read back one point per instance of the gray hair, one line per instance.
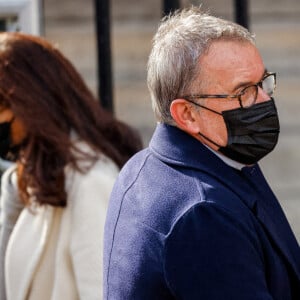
(180, 40)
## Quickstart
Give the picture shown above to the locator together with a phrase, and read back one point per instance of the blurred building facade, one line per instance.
(276, 23)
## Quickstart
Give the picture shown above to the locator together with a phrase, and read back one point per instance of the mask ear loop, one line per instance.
(211, 141)
(202, 106)
(216, 112)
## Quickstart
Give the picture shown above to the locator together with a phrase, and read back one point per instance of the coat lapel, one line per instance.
(25, 248)
(273, 219)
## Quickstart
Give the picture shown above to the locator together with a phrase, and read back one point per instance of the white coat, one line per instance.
(76, 257)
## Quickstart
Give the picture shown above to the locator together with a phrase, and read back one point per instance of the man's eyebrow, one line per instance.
(242, 85)
(248, 83)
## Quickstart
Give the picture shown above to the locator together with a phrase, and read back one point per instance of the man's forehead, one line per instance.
(232, 60)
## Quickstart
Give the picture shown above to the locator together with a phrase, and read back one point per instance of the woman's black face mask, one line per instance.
(252, 132)
(8, 151)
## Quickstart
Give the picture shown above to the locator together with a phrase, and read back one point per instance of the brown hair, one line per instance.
(47, 94)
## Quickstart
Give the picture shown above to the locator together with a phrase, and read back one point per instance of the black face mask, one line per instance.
(252, 132)
(7, 150)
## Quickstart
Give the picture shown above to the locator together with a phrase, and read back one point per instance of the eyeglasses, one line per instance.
(248, 95)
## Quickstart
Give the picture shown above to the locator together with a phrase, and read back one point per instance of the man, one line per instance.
(192, 216)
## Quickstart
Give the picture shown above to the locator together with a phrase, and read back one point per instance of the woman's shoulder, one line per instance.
(101, 169)
(93, 176)
(100, 163)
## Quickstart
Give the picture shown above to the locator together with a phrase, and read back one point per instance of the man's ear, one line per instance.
(185, 116)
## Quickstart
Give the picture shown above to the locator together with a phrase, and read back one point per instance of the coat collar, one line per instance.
(174, 146)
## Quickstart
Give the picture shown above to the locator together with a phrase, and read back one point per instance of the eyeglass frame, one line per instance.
(238, 96)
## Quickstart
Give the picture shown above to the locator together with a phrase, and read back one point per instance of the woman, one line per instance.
(68, 152)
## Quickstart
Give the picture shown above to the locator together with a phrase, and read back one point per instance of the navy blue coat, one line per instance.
(182, 224)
